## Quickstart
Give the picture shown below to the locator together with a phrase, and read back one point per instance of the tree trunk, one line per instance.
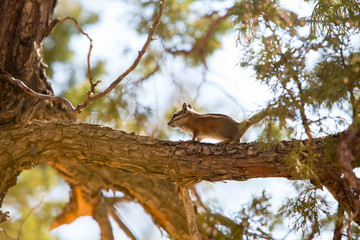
(25, 24)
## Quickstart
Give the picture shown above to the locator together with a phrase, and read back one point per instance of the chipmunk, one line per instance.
(212, 126)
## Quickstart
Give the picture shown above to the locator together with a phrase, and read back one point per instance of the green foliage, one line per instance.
(355, 231)
(305, 211)
(31, 204)
(281, 61)
(182, 26)
(246, 17)
(336, 77)
(253, 219)
(273, 132)
(301, 160)
(251, 222)
(335, 16)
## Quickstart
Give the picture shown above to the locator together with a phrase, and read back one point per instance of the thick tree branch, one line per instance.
(158, 197)
(95, 157)
(345, 156)
(190, 213)
(108, 159)
(85, 143)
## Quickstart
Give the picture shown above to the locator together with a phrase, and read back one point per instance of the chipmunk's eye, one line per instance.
(176, 114)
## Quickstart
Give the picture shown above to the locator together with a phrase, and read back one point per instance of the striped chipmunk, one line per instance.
(206, 126)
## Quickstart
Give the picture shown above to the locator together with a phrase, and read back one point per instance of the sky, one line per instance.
(110, 36)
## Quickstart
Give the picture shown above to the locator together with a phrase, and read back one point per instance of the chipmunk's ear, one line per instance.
(189, 106)
(184, 109)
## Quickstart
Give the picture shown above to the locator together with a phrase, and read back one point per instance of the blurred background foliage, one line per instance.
(310, 64)
(39, 196)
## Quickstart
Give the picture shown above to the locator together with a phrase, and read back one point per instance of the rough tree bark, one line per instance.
(91, 158)
(186, 162)
(69, 147)
(25, 25)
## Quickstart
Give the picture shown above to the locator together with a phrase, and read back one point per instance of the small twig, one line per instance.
(116, 216)
(147, 76)
(223, 90)
(115, 200)
(132, 67)
(6, 235)
(304, 118)
(92, 84)
(200, 46)
(112, 211)
(26, 217)
(352, 215)
(339, 221)
(198, 199)
(31, 92)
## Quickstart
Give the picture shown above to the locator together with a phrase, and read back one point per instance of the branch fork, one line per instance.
(91, 95)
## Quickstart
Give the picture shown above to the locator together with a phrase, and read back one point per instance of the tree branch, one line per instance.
(186, 161)
(92, 84)
(98, 158)
(351, 218)
(116, 216)
(31, 92)
(91, 96)
(190, 213)
(345, 156)
(26, 217)
(132, 67)
(4, 216)
(199, 47)
(158, 197)
(6, 235)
